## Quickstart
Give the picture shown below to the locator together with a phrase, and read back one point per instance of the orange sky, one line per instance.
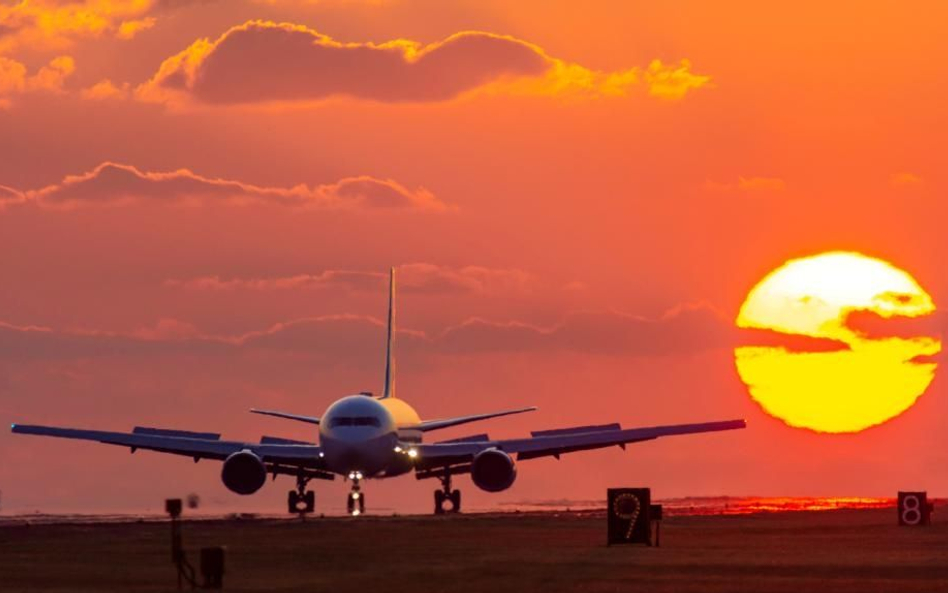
(196, 202)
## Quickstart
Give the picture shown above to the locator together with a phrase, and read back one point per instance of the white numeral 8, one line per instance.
(911, 510)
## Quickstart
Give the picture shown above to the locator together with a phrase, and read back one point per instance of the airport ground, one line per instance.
(845, 550)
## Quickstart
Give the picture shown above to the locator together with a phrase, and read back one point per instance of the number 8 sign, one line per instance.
(914, 509)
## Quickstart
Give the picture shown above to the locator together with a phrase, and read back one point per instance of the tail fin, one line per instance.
(389, 390)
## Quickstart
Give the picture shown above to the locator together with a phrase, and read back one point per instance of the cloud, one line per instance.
(682, 331)
(8, 196)
(56, 24)
(52, 76)
(116, 184)
(414, 277)
(129, 29)
(771, 338)
(872, 325)
(263, 61)
(105, 90)
(15, 80)
(672, 82)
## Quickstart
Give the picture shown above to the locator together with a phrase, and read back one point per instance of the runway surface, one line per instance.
(843, 550)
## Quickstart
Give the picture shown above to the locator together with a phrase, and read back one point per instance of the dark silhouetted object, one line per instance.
(914, 509)
(301, 503)
(173, 507)
(628, 516)
(212, 567)
(655, 515)
(194, 501)
(184, 568)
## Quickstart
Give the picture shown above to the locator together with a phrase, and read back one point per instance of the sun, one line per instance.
(864, 382)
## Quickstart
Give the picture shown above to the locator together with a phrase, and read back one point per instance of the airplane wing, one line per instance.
(445, 423)
(297, 417)
(432, 457)
(282, 457)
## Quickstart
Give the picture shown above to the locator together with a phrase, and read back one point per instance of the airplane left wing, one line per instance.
(198, 445)
(557, 442)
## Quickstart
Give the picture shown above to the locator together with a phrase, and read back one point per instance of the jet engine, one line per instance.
(243, 473)
(493, 470)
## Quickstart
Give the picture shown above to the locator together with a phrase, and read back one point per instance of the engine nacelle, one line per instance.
(493, 470)
(243, 473)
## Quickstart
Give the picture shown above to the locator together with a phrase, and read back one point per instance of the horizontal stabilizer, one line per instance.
(268, 440)
(575, 430)
(476, 438)
(297, 417)
(180, 434)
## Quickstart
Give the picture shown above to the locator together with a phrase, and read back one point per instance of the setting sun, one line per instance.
(864, 382)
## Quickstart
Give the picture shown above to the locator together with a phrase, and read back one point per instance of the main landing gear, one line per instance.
(301, 501)
(446, 495)
(355, 502)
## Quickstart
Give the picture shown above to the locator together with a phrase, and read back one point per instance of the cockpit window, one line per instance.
(355, 421)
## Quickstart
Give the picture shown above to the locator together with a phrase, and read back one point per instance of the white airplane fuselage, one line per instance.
(364, 435)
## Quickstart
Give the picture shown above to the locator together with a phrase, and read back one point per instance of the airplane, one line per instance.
(362, 436)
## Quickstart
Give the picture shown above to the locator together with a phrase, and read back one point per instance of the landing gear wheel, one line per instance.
(355, 503)
(456, 501)
(447, 495)
(301, 501)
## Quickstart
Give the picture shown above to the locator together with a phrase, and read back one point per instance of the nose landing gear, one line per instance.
(355, 502)
(301, 501)
(453, 497)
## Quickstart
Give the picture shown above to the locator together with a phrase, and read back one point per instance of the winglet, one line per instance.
(389, 389)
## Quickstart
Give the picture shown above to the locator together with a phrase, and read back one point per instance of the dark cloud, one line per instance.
(789, 342)
(872, 325)
(262, 61)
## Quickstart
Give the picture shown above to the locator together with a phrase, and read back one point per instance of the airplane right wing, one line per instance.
(427, 425)
(553, 443)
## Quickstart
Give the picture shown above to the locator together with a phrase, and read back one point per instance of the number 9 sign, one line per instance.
(628, 516)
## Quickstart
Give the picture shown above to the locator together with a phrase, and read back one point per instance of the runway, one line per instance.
(843, 550)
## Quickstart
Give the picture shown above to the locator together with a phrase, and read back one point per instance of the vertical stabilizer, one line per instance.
(389, 390)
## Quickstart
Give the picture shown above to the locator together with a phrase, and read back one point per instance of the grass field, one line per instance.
(846, 550)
